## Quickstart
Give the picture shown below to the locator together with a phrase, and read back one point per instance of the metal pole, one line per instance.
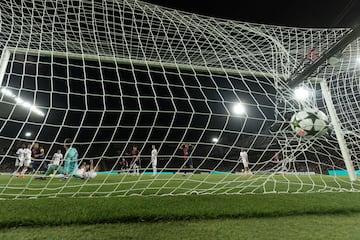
(3, 64)
(338, 131)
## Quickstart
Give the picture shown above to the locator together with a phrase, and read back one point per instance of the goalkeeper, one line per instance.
(70, 161)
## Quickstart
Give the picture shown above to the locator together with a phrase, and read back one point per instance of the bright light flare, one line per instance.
(301, 94)
(215, 140)
(22, 102)
(28, 134)
(7, 92)
(238, 109)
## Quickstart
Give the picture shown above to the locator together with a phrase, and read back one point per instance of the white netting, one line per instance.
(112, 74)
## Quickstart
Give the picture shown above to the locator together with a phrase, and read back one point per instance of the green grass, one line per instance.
(182, 216)
(273, 228)
(62, 211)
(124, 185)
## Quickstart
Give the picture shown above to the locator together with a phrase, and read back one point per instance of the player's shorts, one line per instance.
(188, 162)
(27, 162)
(90, 175)
(24, 163)
(245, 164)
(17, 162)
(154, 163)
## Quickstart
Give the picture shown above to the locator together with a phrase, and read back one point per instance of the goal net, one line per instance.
(116, 77)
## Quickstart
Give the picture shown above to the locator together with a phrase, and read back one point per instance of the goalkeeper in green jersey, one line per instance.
(70, 161)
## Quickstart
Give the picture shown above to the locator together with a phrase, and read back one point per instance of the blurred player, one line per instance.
(91, 173)
(70, 158)
(25, 163)
(19, 158)
(86, 171)
(55, 163)
(81, 171)
(123, 164)
(277, 159)
(57, 158)
(135, 154)
(245, 160)
(38, 154)
(187, 155)
(154, 154)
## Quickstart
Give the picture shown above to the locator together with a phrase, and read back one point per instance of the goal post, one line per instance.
(338, 130)
(4, 60)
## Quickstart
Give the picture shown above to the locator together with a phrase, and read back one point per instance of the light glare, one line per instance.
(239, 108)
(7, 92)
(21, 102)
(215, 140)
(28, 134)
(301, 94)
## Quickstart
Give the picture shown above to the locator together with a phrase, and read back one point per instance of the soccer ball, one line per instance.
(309, 123)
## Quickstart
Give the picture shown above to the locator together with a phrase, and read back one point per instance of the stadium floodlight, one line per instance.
(7, 92)
(22, 102)
(28, 134)
(19, 101)
(301, 94)
(215, 140)
(238, 109)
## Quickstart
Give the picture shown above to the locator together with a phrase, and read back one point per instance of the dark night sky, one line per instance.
(305, 13)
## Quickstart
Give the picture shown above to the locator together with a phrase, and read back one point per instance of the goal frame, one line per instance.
(7, 51)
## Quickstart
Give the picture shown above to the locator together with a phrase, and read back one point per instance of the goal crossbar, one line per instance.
(148, 63)
(337, 47)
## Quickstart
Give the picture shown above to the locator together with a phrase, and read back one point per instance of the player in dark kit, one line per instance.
(134, 164)
(186, 149)
(123, 164)
(38, 155)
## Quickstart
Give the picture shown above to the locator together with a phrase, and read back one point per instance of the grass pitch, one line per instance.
(176, 184)
(320, 214)
(295, 227)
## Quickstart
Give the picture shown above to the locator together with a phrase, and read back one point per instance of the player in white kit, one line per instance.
(91, 173)
(245, 160)
(154, 154)
(24, 156)
(83, 173)
(19, 158)
(57, 158)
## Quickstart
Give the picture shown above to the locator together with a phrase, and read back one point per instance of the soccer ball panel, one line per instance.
(309, 123)
(319, 125)
(322, 116)
(306, 124)
(301, 115)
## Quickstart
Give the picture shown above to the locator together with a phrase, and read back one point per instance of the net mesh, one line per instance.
(113, 74)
